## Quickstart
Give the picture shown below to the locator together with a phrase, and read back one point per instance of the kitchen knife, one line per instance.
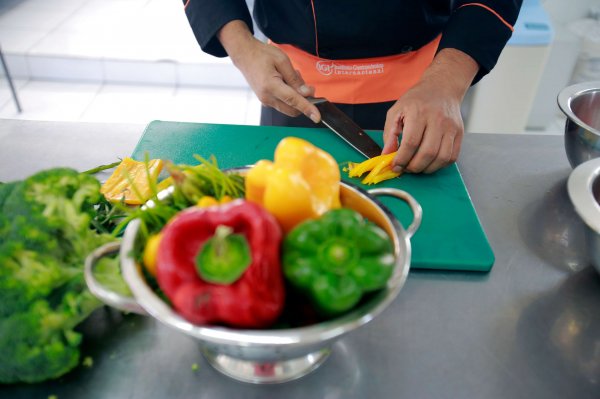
(343, 126)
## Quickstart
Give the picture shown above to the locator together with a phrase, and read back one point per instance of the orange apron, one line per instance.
(364, 80)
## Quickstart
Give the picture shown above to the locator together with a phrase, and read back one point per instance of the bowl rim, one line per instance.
(569, 93)
(306, 335)
(579, 186)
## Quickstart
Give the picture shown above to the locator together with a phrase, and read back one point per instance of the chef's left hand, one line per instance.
(428, 115)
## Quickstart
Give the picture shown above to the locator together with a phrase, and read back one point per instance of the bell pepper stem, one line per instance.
(224, 257)
(220, 240)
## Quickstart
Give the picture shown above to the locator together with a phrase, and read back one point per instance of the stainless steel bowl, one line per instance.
(584, 190)
(275, 355)
(581, 104)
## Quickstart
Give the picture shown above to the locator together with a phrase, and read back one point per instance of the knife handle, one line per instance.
(316, 100)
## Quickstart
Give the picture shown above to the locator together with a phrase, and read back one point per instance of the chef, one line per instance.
(401, 66)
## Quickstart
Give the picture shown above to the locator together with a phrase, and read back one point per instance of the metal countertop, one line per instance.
(528, 329)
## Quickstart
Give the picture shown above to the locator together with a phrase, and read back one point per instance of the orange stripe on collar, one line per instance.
(509, 26)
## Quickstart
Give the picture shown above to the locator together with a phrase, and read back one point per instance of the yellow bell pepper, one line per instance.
(130, 182)
(207, 201)
(379, 168)
(302, 182)
(150, 251)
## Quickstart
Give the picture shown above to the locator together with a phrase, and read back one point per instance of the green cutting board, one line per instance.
(450, 236)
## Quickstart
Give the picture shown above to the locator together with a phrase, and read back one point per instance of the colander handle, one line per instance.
(111, 298)
(409, 199)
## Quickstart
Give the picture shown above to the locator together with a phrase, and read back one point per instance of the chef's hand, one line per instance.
(428, 115)
(269, 72)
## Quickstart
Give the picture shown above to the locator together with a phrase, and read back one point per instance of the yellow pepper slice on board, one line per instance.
(130, 182)
(379, 168)
(302, 182)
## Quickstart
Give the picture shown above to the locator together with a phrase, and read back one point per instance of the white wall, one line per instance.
(566, 11)
(560, 62)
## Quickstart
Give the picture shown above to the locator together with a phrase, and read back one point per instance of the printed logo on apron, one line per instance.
(328, 67)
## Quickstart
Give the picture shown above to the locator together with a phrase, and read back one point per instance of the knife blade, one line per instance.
(343, 126)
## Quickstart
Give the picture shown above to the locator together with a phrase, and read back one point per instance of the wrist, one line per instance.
(235, 37)
(452, 70)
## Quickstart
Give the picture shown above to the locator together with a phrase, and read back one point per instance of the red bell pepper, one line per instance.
(221, 265)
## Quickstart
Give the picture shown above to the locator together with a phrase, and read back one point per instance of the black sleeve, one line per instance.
(481, 30)
(207, 17)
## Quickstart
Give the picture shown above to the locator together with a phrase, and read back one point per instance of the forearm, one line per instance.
(451, 70)
(481, 30)
(235, 36)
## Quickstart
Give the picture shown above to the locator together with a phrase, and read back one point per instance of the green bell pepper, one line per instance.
(337, 258)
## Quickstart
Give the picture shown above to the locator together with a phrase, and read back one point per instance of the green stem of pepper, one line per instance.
(224, 257)
(337, 256)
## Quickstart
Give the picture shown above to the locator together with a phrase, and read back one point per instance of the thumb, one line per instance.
(293, 78)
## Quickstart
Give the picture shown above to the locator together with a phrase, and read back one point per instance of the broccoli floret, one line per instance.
(26, 276)
(45, 226)
(5, 190)
(65, 200)
(40, 342)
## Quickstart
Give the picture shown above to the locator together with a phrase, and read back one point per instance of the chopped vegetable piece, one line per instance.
(379, 168)
(88, 362)
(132, 181)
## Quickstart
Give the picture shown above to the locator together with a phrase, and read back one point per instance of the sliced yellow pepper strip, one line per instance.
(379, 168)
(164, 184)
(385, 174)
(366, 166)
(302, 182)
(129, 181)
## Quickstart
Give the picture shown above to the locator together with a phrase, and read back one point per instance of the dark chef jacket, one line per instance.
(351, 29)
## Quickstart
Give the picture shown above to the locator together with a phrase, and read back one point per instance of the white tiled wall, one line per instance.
(95, 102)
(108, 41)
(127, 61)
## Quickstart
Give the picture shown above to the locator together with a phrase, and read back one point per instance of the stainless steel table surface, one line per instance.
(528, 329)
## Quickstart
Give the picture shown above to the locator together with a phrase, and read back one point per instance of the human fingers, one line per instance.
(427, 151)
(305, 89)
(412, 135)
(392, 129)
(444, 154)
(452, 131)
(293, 79)
(457, 146)
(286, 97)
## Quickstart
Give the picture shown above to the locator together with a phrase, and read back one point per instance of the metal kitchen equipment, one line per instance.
(343, 126)
(584, 190)
(581, 104)
(276, 355)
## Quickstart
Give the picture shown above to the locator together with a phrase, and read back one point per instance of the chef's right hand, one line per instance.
(269, 72)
